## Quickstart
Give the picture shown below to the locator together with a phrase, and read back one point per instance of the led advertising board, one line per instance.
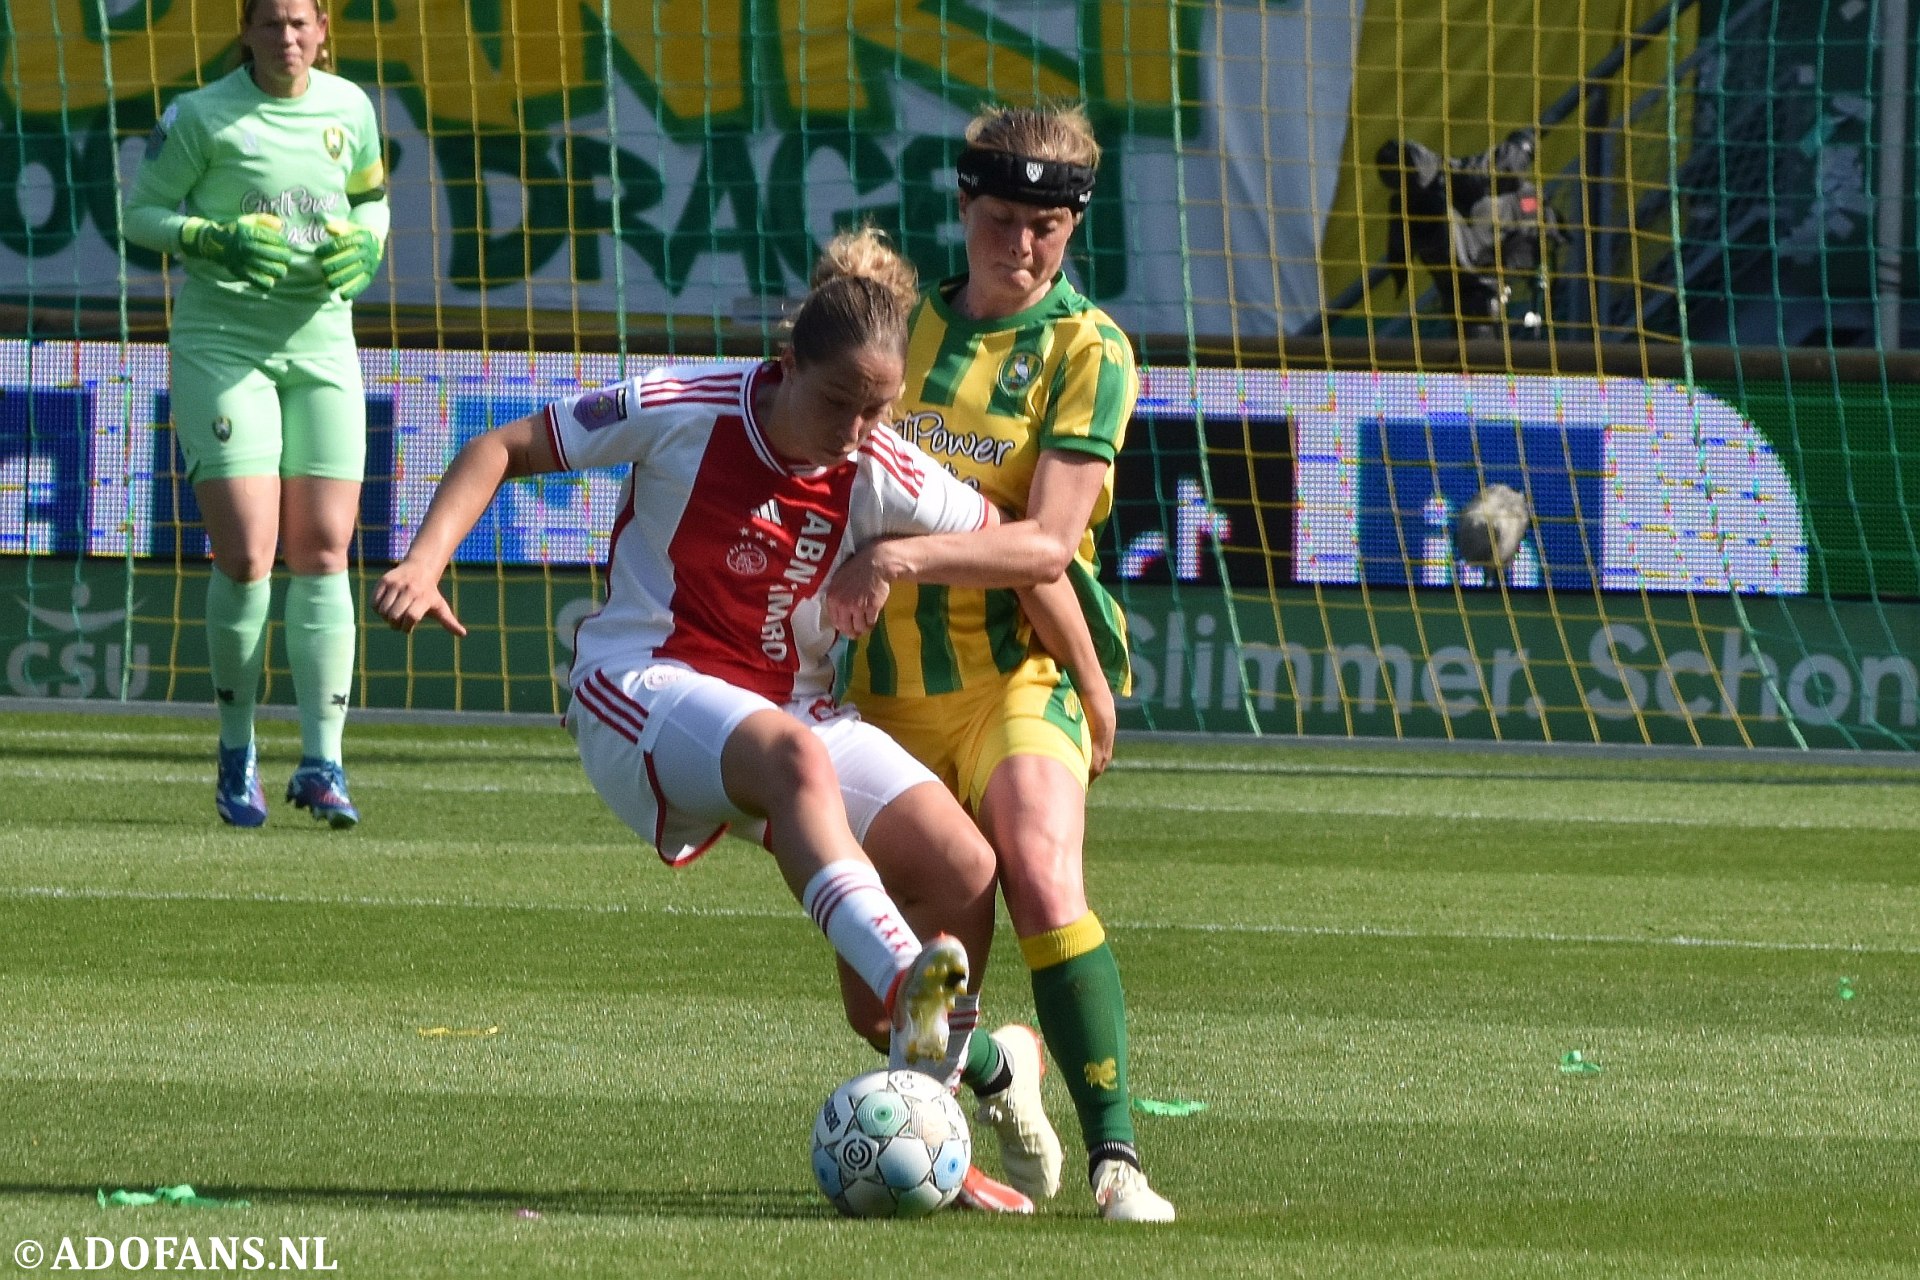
(1337, 478)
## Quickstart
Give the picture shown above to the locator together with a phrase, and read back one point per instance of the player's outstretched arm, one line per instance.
(410, 591)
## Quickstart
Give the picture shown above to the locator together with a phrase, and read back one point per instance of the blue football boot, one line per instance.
(320, 787)
(238, 796)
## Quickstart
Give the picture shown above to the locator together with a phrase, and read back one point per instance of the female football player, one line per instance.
(703, 688)
(1024, 388)
(279, 167)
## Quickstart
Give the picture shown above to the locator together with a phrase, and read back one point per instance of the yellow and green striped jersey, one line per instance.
(986, 398)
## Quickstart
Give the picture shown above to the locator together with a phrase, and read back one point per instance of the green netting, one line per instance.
(1703, 386)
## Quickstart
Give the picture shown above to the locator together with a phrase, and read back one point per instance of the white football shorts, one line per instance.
(650, 741)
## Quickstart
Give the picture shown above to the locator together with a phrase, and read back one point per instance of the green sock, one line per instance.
(984, 1064)
(320, 642)
(1083, 1015)
(236, 649)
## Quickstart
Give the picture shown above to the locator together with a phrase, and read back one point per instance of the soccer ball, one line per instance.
(891, 1144)
(1489, 531)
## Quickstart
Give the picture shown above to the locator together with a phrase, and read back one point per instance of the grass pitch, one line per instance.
(1368, 965)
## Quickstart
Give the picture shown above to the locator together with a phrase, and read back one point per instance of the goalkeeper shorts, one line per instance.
(238, 413)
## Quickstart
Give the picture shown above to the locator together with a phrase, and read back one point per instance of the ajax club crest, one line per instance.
(747, 559)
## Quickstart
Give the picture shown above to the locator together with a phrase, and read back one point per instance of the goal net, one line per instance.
(1651, 266)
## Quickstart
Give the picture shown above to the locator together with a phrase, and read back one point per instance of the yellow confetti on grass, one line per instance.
(468, 1032)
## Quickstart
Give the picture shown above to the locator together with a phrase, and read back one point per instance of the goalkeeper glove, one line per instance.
(251, 247)
(350, 258)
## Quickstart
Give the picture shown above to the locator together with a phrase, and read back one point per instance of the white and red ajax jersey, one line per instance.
(721, 546)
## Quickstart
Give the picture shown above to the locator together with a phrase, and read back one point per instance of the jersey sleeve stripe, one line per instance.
(723, 378)
(895, 463)
(715, 389)
(657, 398)
(890, 444)
(553, 438)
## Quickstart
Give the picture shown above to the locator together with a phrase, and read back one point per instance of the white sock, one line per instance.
(961, 1021)
(851, 907)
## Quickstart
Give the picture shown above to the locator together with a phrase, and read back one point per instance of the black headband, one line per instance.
(1049, 184)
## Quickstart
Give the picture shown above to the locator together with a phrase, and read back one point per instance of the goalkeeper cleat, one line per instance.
(320, 787)
(918, 1003)
(978, 1191)
(1123, 1195)
(1029, 1148)
(238, 797)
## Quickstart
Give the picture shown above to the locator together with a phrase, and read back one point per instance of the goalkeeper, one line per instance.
(270, 183)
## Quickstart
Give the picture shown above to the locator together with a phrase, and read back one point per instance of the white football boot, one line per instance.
(1123, 1195)
(918, 1005)
(1029, 1148)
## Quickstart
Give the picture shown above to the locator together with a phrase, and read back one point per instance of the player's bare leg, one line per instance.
(1034, 814)
(939, 870)
(773, 765)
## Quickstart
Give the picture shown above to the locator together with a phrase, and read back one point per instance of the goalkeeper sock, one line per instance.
(320, 644)
(236, 650)
(1083, 1015)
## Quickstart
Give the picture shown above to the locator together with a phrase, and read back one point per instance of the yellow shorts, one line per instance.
(963, 736)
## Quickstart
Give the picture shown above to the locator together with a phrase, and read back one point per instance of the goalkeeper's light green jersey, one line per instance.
(228, 149)
(986, 398)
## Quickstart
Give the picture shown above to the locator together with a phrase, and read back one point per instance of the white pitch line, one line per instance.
(567, 782)
(1504, 935)
(1780, 772)
(64, 893)
(68, 893)
(560, 752)
(1098, 800)
(1852, 822)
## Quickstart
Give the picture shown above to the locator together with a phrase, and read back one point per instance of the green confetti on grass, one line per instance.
(1171, 1107)
(183, 1194)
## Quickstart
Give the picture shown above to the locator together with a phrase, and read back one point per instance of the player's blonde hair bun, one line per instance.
(865, 252)
(863, 294)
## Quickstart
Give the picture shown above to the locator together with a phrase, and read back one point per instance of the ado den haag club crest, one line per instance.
(1018, 372)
